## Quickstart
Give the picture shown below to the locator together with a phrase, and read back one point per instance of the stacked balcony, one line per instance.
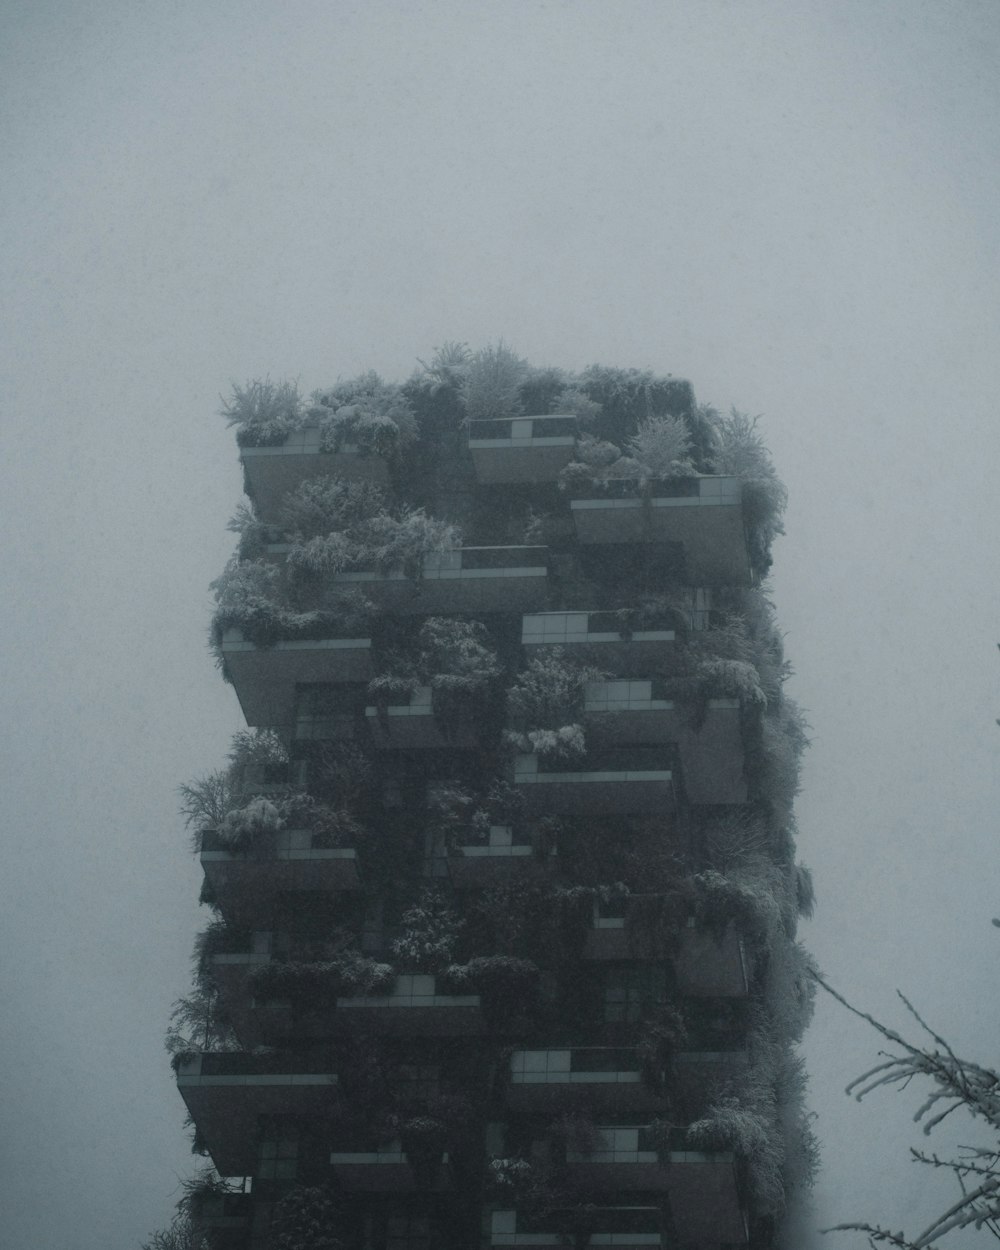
(522, 449)
(271, 473)
(227, 1093)
(319, 927)
(702, 516)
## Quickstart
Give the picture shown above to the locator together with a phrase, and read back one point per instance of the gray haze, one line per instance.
(792, 203)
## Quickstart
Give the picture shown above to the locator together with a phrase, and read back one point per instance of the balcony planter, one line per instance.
(710, 748)
(272, 472)
(265, 677)
(414, 1008)
(618, 782)
(522, 449)
(626, 1228)
(246, 883)
(418, 725)
(226, 1093)
(611, 1078)
(702, 515)
(501, 859)
(461, 580)
(392, 1170)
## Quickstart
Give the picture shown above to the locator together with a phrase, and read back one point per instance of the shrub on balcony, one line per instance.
(456, 659)
(740, 452)
(658, 1041)
(507, 984)
(264, 412)
(491, 382)
(308, 1218)
(372, 415)
(321, 981)
(430, 932)
(545, 705)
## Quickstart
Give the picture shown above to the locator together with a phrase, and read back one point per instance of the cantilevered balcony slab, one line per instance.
(710, 747)
(522, 449)
(704, 515)
(626, 782)
(245, 882)
(502, 859)
(611, 1078)
(388, 1171)
(614, 649)
(270, 473)
(227, 1093)
(414, 726)
(706, 965)
(265, 678)
(414, 1008)
(466, 579)
(624, 1227)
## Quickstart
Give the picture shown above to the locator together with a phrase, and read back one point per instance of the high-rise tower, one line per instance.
(503, 869)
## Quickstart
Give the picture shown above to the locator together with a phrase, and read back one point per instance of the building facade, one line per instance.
(502, 870)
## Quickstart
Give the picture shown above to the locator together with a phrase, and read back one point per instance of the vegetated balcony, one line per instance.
(414, 725)
(227, 1092)
(463, 579)
(702, 1187)
(710, 746)
(522, 449)
(626, 1228)
(616, 649)
(414, 1008)
(265, 678)
(706, 964)
(270, 473)
(704, 515)
(289, 861)
(501, 859)
(610, 1077)
(388, 1170)
(613, 781)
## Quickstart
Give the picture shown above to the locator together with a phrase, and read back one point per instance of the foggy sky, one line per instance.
(792, 204)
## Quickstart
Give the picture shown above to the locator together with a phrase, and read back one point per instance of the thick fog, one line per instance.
(793, 204)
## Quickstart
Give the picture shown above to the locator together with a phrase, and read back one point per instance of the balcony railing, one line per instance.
(414, 726)
(226, 1093)
(265, 678)
(702, 514)
(270, 473)
(522, 449)
(619, 781)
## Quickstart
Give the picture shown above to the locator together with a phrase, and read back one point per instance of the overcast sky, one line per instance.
(794, 204)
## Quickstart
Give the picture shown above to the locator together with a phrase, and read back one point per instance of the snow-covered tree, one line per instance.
(955, 1084)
